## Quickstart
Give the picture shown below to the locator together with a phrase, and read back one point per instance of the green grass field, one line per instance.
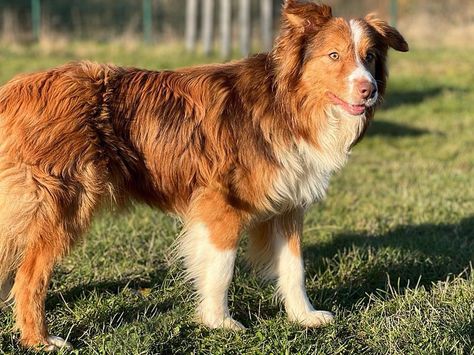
(390, 250)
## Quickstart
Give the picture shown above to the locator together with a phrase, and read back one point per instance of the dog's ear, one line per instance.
(306, 16)
(390, 34)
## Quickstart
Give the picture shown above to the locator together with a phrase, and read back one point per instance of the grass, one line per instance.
(389, 251)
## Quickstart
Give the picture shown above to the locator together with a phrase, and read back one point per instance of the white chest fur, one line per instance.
(306, 170)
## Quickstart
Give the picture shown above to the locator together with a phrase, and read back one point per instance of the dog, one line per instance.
(242, 146)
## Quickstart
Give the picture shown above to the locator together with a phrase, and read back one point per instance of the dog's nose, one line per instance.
(367, 90)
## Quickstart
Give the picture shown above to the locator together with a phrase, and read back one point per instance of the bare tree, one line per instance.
(244, 19)
(207, 25)
(191, 24)
(266, 10)
(226, 25)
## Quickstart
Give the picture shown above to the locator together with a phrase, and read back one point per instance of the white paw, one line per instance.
(314, 319)
(214, 322)
(57, 343)
(232, 324)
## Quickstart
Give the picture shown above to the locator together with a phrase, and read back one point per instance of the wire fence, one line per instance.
(206, 22)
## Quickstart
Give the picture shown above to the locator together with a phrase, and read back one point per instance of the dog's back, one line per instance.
(46, 118)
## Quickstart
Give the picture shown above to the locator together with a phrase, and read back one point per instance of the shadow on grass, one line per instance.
(113, 287)
(390, 129)
(119, 315)
(408, 255)
(404, 97)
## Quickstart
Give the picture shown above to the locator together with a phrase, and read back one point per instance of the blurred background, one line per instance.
(214, 26)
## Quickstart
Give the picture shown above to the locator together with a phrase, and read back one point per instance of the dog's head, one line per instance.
(331, 62)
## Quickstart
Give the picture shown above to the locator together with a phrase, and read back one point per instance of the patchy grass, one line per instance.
(390, 250)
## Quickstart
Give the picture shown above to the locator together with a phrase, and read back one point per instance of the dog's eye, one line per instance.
(369, 58)
(334, 56)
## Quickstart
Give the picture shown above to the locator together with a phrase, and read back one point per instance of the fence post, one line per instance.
(244, 19)
(393, 12)
(147, 20)
(267, 24)
(191, 24)
(225, 28)
(36, 18)
(207, 25)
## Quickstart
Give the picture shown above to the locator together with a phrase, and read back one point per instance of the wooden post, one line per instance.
(147, 20)
(207, 25)
(36, 19)
(244, 20)
(226, 25)
(191, 24)
(266, 10)
(393, 12)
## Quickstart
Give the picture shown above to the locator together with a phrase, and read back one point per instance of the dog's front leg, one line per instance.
(275, 248)
(208, 246)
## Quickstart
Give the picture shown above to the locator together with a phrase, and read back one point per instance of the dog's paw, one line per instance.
(232, 324)
(220, 322)
(56, 343)
(314, 319)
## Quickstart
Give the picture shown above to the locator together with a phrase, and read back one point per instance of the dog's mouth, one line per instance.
(352, 109)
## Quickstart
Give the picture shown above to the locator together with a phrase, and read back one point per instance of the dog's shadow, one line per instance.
(425, 254)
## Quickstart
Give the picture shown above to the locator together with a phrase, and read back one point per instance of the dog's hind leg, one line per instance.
(40, 217)
(30, 287)
(208, 246)
(274, 247)
(5, 291)
(57, 223)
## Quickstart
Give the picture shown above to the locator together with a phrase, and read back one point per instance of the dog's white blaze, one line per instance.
(211, 271)
(360, 73)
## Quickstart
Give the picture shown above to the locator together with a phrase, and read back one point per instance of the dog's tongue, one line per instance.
(354, 110)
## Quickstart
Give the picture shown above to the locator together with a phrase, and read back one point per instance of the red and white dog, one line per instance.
(244, 146)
